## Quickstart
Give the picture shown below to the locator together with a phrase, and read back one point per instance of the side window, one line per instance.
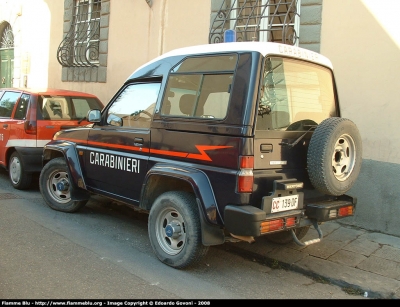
(7, 103)
(200, 87)
(135, 105)
(81, 107)
(22, 107)
(56, 108)
(212, 101)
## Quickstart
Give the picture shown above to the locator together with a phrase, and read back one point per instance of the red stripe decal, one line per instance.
(203, 156)
(198, 156)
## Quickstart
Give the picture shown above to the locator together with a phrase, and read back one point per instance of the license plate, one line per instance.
(284, 203)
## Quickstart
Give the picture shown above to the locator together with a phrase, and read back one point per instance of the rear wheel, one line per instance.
(285, 237)
(20, 179)
(175, 230)
(54, 185)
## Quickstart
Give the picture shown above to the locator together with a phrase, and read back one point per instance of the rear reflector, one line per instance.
(341, 212)
(291, 221)
(346, 211)
(278, 224)
(272, 225)
(245, 182)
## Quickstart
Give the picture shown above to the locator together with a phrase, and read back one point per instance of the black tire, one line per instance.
(334, 156)
(285, 237)
(19, 178)
(55, 187)
(175, 230)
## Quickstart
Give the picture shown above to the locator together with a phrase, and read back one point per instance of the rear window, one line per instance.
(66, 107)
(295, 95)
(200, 87)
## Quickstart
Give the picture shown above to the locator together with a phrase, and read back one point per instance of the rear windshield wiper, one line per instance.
(291, 145)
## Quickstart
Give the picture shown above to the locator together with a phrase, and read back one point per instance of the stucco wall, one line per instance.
(137, 34)
(362, 39)
(31, 39)
(310, 24)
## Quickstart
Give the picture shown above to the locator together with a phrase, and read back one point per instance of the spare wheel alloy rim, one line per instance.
(344, 157)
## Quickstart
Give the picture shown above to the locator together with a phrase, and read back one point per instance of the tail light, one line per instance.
(30, 127)
(277, 224)
(272, 225)
(245, 178)
(30, 124)
(290, 221)
(341, 212)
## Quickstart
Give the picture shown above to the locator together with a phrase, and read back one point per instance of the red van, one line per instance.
(28, 120)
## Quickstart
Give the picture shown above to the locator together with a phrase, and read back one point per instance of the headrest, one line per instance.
(55, 105)
(186, 104)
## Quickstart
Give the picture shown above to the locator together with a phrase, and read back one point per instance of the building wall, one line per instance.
(362, 39)
(310, 24)
(31, 40)
(137, 34)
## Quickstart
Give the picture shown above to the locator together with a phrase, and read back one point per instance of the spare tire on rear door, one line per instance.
(334, 156)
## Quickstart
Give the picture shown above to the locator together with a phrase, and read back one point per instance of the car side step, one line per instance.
(312, 241)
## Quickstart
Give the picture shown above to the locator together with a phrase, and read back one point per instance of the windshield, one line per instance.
(295, 95)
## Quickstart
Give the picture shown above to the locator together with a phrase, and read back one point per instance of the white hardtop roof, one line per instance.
(265, 48)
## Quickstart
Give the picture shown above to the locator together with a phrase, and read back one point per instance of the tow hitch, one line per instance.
(312, 241)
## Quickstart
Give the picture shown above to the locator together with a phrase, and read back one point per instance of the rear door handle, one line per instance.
(5, 126)
(138, 141)
(266, 148)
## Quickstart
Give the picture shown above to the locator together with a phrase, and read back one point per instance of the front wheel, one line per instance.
(20, 179)
(54, 185)
(175, 230)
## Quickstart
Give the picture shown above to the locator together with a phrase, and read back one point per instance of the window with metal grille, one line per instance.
(80, 46)
(257, 20)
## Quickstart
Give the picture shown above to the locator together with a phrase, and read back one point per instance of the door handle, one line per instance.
(5, 126)
(138, 141)
(3, 80)
(266, 148)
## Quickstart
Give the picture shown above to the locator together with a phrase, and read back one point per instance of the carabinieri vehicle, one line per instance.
(220, 142)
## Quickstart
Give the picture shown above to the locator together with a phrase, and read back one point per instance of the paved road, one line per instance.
(103, 252)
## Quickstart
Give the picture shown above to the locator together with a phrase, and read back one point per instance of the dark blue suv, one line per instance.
(221, 142)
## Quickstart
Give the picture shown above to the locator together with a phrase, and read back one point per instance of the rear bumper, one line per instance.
(250, 221)
(31, 158)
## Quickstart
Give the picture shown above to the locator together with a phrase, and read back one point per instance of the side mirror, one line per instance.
(114, 120)
(94, 116)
